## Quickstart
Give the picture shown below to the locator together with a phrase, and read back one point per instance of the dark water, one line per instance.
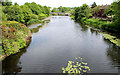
(60, 41)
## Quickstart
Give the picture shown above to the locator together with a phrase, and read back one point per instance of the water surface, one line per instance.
(60, 41)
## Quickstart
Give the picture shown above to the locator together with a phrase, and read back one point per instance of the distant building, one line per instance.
(100, 11)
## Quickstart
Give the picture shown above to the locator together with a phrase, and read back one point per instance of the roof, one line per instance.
(104, 6)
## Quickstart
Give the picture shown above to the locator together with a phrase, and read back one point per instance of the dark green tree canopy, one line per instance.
(94, 5)
(6, 3)
(24, 13)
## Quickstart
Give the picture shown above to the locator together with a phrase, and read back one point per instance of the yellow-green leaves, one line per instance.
(76, 67)
(113, 39)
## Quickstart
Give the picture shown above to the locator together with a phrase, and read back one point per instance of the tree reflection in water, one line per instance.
(113, 53)
(12, 64)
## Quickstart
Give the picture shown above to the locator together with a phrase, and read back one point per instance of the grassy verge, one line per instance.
(99, 24)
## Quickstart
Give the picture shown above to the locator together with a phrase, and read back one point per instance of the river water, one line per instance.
(59, 41)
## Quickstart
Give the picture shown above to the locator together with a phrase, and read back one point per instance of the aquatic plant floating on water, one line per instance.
(76, 67)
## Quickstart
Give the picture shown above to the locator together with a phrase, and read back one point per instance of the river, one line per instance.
(59, 41)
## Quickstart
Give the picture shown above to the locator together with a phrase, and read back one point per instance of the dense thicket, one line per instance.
(14, 37)
(24, 13)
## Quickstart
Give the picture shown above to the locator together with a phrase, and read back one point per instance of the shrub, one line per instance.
(42, 16)
(13, 37)
(33, 16)
(33, 21)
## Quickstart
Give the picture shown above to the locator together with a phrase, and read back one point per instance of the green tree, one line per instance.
(116, 19)
(4, 18)
(81, 12)
(54, 10)
(94, 5)
(16, 4)
(34, 7)
(26, 12)
(6, 3)
(41, 16)
(46, 10)
(33, 16)
(110, 10)
(14, 13)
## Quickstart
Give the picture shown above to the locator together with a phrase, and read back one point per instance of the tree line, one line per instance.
(26, 14)
(84, 14)
(61, 9)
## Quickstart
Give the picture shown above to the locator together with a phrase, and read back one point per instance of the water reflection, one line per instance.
(114, 53)
(94, 31)
(36, 29)
(12, 64)
(62, 40)
(84, 28)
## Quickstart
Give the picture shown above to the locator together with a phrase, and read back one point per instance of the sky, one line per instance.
(64, 3)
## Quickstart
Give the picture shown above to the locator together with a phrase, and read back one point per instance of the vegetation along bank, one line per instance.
(15, 19)
(105, 18)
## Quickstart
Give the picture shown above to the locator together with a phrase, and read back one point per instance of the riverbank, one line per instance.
(36, 21)
(115, 40)
(102, 27)
(59, 41)
(27, 40)
(15, 36)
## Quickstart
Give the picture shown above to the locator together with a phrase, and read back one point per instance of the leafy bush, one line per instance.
(33, 16)
(14, 37)
(24, 13)
(41, 16)
(3, 16)
(32, 21)
(14, 13)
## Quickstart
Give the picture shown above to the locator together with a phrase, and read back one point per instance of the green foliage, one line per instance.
(42, 16)
(116, 18)
(6, 3)
(14, 37)
(54, 10)
(54, 14)
(84, 11)
(113, 39)
(14, 13)
(32, 21)
(61, 9)
(3, 16)
(81, 12)
(34, 7)
(94, 5)
(46, 11)
(78, 67)
(26, 12)
(104, 25)
(16, 4)
(110, 10)
(33, 16)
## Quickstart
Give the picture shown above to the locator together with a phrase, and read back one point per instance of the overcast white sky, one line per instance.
(65, 3)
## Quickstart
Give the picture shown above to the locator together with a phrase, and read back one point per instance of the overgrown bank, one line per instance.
(87, 16)
(15, 19)
(15, 36)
